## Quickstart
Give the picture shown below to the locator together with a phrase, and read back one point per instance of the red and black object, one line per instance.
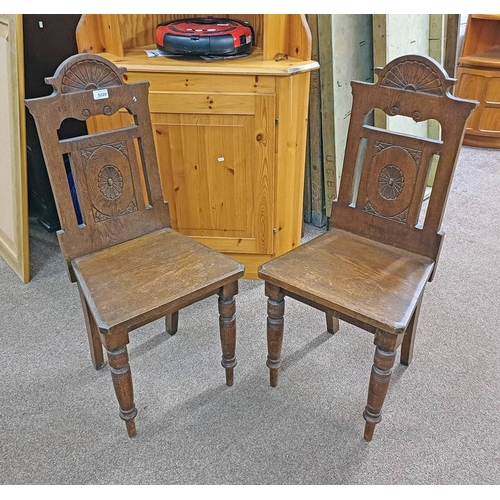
(206, 36)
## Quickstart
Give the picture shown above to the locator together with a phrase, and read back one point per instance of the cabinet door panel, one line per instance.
(470, 84)
(492, 93)
(218, 176)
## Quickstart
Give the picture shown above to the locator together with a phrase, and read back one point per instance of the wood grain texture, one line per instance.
(204, 83)
(483, 129)
(218, 175)
(96, 354)
(371, 267)
(299, 40)
(352, 275)
(119, 35)
(136, 59)
(293, 96)
(170, 271)
(252, 261)
(318, 114)
(203, 103)
(328, 112)
(481, 40)
(275, 42)
(451, 44)
(139, 29)
(87, 35)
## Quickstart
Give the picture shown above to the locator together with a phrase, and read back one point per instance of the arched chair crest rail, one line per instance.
(130, 266)
(371, 267)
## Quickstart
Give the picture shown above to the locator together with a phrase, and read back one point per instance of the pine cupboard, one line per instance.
(230, 134)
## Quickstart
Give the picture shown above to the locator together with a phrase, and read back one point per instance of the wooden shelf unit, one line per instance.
(479, 78)
(230, 134)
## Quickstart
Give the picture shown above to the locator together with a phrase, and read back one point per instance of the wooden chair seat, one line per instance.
(150, 277)
(359, 278)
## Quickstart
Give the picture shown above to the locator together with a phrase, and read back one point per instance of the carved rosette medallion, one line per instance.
(390, 182)
(109, 181)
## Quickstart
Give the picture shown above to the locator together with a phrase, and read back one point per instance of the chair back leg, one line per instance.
(172, 322)
(95, 344)
(332, 323)
(409, 338)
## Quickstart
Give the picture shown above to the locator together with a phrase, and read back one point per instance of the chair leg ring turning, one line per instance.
(379, 384)
(275, 324)
(122, 382)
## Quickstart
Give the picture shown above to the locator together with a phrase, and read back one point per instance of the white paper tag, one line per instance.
(101, 94)
(154, 53)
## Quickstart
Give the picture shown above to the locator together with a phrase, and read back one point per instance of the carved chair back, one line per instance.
(385, 173)
(115, 172)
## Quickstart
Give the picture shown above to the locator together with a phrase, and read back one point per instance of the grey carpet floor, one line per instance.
(441, 421)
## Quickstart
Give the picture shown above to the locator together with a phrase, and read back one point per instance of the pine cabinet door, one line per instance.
(217, 172)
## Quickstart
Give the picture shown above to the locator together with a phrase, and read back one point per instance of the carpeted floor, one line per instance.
(441, 422)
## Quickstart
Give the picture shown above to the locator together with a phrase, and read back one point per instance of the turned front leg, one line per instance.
(275, 322)
(379, 383)
(122, 378)
(227, 324)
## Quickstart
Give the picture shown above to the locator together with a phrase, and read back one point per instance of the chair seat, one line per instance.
(365, 280)
(146, 278)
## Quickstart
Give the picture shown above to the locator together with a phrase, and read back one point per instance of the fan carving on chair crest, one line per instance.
(413, 76)
(80, 76)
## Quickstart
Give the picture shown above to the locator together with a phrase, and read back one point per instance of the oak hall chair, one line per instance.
(131, 268)
(371, 267)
